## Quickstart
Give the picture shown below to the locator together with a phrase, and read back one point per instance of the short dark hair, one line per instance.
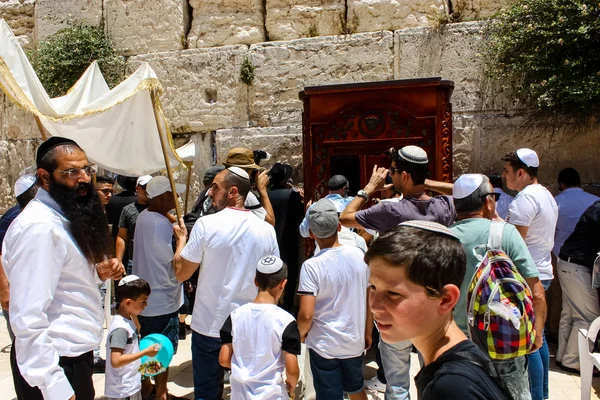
(496, 180)
(418, 172)
(24, 198)
(516, 164)
(242, 184)
(430, 259)
(104, 179)
(49, 161)
(569, 177)
(269, 281)
(131, 290)
(475, 200)
(127, 182)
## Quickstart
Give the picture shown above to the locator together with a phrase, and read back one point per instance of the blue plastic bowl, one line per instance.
(165, 354)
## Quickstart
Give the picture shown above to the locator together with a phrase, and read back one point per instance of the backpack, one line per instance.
(499, 302)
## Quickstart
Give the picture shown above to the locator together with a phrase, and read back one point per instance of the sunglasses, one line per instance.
(494, 194)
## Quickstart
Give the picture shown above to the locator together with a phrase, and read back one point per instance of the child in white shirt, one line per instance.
(123, 380)
(259, 340)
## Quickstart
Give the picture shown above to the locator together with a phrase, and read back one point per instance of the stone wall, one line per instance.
(206, 102)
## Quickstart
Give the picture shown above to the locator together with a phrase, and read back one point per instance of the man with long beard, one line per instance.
(53, 254)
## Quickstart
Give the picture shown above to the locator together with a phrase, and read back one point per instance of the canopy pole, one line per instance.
(163, 145)
(187, 186)
(41, 127)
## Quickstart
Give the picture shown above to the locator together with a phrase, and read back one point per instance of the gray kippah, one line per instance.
(323, 219)
(413, 154)
(431, 227)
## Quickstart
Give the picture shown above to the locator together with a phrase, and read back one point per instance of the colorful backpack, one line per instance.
(499, 302)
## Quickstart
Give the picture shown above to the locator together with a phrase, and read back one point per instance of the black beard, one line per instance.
(88, 223)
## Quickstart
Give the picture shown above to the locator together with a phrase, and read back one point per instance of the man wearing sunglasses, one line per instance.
(475, 203)
(53, 254)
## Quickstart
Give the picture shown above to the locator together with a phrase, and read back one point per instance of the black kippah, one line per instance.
(337, 182)
(49, 144)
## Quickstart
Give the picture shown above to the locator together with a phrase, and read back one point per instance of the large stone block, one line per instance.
(283, 143)
(454, 53)
(479, 9)
(283, 69)
(226, 22)
(14, 157)
(140, 26)
(17, 123)
(374, 15)
(296, 19)
(203, 91)
(19, 14)
(52, 15)
(557, 148)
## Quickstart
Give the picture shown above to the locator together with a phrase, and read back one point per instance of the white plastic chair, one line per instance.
(587, 359)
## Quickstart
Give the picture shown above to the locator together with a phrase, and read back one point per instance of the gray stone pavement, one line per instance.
(563, 386)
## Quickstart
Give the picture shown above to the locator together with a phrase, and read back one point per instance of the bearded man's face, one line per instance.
(80, 204)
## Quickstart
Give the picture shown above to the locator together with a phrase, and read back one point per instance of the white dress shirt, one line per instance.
(572, 202)
(55, 307)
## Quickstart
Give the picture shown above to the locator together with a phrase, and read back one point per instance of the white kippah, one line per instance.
(529, 157)
(466, 184)
(269, 265)
(128, 278)
(24, 183)
(239, 172)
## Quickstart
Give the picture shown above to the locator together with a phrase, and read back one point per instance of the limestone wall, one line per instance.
(206, 102)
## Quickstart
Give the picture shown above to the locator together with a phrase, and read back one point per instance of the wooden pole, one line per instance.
(187, 186)
(41, 127)
(163, 144)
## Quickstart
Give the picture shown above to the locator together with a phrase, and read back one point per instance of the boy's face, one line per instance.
(137, 306)
(401, 308)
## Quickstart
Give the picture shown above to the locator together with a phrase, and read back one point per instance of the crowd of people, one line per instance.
(393, 267)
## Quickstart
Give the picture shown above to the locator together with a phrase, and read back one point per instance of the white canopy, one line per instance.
(116, 128)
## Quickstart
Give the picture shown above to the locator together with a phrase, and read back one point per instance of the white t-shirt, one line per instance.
(124, 381)
(572, 203)
(338, 278)
(251, 202)
(535, 208)
(259, 334)
(228, 245)
(503, 203)
(153, 262)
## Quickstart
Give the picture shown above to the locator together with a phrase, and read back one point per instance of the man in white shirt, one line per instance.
(534, 213)
(226, 246)
(505, 198)
(52, 254)
(571, 202)
(153, 262)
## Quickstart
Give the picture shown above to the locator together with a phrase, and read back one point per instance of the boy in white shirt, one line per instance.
(333, 309)
(123, 381)
(259, 340)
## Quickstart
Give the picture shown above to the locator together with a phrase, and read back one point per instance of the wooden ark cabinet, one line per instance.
(347, 128)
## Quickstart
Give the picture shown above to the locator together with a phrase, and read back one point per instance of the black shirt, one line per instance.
(583, 245)
(449, 378)
(115, 207)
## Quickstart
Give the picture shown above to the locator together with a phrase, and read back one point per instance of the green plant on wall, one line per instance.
(247, 71)
(60, 60)
(550, 50)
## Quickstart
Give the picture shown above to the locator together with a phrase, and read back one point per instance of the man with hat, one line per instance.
(333, 317)
(409, 169)
(475, 203)
(244, 159)
(127, 221)
(289, 211)
(337, 187)
(61, 239)
(226, 246)
(534, 213)
(153, 262)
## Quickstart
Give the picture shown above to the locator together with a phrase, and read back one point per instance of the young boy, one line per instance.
(259, 339)
(123, 381)
(333, 309)
(416, 271)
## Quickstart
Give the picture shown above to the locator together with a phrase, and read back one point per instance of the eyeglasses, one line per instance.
(76, 172)
(106, 192)
(494, 194)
